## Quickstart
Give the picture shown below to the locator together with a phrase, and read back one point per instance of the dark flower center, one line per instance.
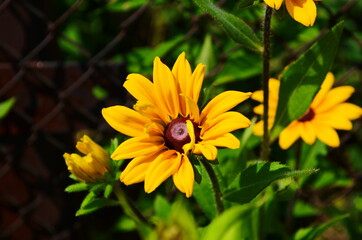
(307, 116)
(176, 134)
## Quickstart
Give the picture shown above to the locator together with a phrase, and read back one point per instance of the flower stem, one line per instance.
(265, 148)
(130, 209)
(215, 186)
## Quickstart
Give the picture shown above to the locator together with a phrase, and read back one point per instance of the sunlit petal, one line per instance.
(138, 146)
(164, 166)
(228, 140)
(184, 177)
(222, 103)
(303, 11)
(125, 120)
(209, 151)
(327, 135)
(289, 135)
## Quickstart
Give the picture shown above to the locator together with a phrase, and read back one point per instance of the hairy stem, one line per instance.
(130, 209)
(215, 186)
(265, 149)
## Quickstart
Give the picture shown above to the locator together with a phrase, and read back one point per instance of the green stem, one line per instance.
(265, 149)
(215, 186)
(130, 209)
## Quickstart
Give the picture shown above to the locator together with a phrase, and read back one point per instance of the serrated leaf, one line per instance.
(236, 28)
(312, 233)
(257, 177)
(204, 193)
(301, 80)
(77, 187)
(6, 106)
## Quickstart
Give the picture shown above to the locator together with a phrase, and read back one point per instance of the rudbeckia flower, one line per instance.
(327, 112)
(166, 125)
(90, 167)
(302, 11)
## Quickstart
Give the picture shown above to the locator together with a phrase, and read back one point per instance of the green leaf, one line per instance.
(228, 225)
(77, 187)
(204, 193)
(5, 107)
(162, 207)
(124, 6)
(248, 3)
(310, 155)
(206, 55)
(301, 80)
(236, 28)
(99, 92)
(108, 190)
(312, 233)
(257, 177)
(94, 205)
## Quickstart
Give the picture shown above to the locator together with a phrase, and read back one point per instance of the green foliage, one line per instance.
(257, 177)
(313, 232)
(301, 80)
(228, 225)
(6, 106)
(236, 28)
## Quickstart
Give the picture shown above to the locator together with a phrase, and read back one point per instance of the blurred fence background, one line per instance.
(55, 99)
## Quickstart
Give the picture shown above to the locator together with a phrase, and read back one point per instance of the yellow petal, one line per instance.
(327, 135)
(140, 88)
(333, 97)
(289, 135)
(274, 3)
(86, 146)
(192, 109)
(197, 78)
(165, 165)
(258, 96)
(138, 146)
(184, 177)
(228, 140)
(222, 103)
(166, 89)
(259, 109)
(150, 111)
(182, 72)
(224, 123)
(70, 160)
(125, 120)
(209, 151)
(303, 11)
(333, 120)
(325, 87)
(258, 128)
(135, 171)
(307, 132)
(348, 110)
(190, 129)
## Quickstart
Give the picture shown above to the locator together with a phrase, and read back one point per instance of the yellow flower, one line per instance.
(166, 125)
(91, 166)
(302, 11)
(327, 112)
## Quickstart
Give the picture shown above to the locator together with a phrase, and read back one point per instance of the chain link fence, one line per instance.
(54, 100)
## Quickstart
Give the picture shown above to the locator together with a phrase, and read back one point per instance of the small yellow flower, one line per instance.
(166, 125)
(91, 166)
(302, 11)
(327, 112)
